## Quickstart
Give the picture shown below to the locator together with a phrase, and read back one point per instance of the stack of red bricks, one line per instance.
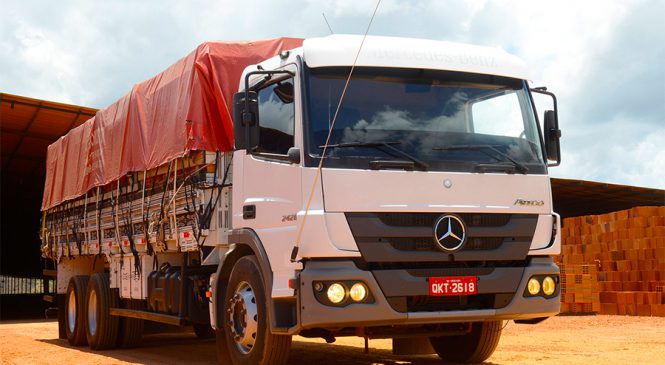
(580, 292)
(627, 252)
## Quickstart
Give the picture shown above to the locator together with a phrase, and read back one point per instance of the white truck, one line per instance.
(399, 190)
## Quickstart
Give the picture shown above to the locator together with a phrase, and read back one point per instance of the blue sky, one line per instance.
(604, 59)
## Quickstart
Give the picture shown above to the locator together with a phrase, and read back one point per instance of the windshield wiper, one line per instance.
(380, 146)
(483, 148)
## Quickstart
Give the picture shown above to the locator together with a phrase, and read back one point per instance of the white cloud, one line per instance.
(617, 159)
(604, 59)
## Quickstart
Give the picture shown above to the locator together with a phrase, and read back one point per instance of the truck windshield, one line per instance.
(450, 121)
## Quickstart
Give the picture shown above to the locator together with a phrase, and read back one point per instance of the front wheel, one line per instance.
(246, 332)
(475, 346)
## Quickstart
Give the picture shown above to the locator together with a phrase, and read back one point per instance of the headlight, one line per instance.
(336, 293)
(342, 293)
(358, 292)
(548, 286)
(534, 286)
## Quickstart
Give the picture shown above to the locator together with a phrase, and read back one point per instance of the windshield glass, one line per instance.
(452, 121)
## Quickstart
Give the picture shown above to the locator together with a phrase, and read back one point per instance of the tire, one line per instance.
(473, 347)
(246, 332)
(75, 311)
(101, 327)
(203, 330)
(130, 330)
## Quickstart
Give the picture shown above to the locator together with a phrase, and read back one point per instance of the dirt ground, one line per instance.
(559, 340)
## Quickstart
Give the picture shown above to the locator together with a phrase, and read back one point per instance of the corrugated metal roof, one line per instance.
(574, 198)
(28, 126)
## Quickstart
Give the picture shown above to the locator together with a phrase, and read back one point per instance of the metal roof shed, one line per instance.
(27, 127)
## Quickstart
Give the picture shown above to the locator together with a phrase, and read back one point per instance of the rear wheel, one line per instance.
(101, 326)
(246, 330)
(75, 310)
(475, 346)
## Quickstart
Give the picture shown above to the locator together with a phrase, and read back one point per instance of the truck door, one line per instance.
(272, 193)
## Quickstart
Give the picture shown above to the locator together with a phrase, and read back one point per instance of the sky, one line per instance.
(605, 60)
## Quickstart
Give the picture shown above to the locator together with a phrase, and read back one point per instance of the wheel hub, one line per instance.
(242, 317)
(71, 311)
(92, 312)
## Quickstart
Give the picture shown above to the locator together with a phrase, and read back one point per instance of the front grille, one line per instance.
(457, 271)
(409, 237)
(427, 243)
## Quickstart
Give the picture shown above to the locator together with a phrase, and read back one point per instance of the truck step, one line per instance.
(150, 316)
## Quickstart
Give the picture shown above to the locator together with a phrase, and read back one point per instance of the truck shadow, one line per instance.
(186, 348)
(169, 348)
(320, 353)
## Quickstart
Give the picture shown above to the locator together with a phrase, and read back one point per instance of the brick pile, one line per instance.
(580, 292)
(615, 260)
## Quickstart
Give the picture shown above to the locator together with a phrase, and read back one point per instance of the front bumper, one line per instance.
(384, 311)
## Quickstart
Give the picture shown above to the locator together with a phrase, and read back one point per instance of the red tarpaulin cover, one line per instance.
(186, 107)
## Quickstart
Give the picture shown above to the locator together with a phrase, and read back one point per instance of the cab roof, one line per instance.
(379, 51)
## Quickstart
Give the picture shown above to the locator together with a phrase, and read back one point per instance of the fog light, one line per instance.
(548, 286)
(358, 292)
(534, 286)
(336, 293)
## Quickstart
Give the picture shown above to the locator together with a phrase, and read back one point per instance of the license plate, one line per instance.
(453, 285)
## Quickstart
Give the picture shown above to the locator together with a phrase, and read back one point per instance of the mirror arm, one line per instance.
(268, 76)
(543, 90)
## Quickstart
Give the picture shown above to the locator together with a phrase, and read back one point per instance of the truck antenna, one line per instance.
(294, 252)
(326, 20)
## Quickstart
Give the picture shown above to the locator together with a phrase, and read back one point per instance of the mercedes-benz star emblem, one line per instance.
(449, 232)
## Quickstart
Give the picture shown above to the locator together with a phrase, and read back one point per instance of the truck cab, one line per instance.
(394, 190)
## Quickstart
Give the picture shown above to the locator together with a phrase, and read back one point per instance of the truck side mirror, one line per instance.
(552, 136)
(246, 120)
(551, 131)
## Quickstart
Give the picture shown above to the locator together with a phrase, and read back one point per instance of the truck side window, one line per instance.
(276, 118)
